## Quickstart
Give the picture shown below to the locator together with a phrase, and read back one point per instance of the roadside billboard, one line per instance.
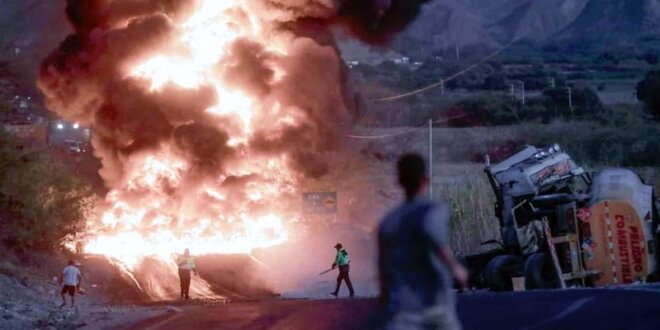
(320, 201)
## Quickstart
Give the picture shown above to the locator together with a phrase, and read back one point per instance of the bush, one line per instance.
(484, 111)
(496, 81)
(586, 103)
(650, 58)
(42, 204)
(501, 110)
(604, 144)
(647, 92)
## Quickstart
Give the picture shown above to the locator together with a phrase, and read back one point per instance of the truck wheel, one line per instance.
(500, 270)
(540, 273)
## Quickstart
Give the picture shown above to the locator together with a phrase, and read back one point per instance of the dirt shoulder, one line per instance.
(36, 306)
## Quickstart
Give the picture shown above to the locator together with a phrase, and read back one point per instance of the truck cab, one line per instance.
(557, 221)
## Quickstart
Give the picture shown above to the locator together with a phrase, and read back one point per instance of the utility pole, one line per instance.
(570, 98)
(442, 86)
(431, 159)
(522, 91)
(553, 83)
(458, 51)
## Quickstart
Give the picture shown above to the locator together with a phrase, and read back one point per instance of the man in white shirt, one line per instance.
(186, 264)
(70, 281)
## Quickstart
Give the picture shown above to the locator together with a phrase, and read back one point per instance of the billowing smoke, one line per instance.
(207, 114)
(377, 21)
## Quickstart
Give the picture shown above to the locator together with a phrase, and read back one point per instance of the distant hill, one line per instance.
(445, 24)
(494, 22)
(537, 20)
(615, 19)
(29, 31)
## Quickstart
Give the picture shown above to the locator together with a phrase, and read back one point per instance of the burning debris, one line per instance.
(207, 114)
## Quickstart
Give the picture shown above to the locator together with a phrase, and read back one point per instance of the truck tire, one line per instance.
(540, 272)
(500, 270)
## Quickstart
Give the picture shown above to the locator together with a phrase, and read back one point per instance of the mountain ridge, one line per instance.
(492, 23)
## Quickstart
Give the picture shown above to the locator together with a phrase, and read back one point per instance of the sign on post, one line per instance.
(320, 202)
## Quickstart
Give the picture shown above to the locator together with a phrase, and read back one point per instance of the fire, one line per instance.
(130, 245)
(159, 208)
(208, 116)
(143, 219)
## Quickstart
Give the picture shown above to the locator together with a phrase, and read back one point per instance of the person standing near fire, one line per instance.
(70, 280)
(186, 264)
(343, 262)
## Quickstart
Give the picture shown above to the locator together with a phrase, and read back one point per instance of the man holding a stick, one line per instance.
(342, 261)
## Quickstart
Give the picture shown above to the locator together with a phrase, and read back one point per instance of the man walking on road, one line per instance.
(415, 261)
(343, 262)
(70, 282)
(186, 264)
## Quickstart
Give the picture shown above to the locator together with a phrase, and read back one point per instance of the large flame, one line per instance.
(208, 116)
(151, 213)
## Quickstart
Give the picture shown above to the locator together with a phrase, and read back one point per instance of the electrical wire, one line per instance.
(383, 136)
(412, 130)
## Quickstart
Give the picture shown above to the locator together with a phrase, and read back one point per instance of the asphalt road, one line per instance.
(624, 309)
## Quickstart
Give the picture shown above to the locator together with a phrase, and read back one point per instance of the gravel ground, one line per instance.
(37, 307)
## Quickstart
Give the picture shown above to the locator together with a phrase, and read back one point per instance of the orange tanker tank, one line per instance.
(620, 219)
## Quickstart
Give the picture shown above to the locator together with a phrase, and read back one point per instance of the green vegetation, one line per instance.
(4, 109)
(648, 91)
(590, 70)
(42, 204)
(611, 144)
(471, 200)
(496, 110)
(481, 112)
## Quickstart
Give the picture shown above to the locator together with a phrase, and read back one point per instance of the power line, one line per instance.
(409, 131)
(383, 136)
(450, 78)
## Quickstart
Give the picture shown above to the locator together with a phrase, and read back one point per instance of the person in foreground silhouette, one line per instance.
(414, 258)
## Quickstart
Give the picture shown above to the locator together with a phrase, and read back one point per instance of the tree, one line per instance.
(29, 31)
(651, 58)
(612, 57)
(42, 204)
(12, 14)
(585, 102)
(496, 81)
(647, 92)
(483, 111)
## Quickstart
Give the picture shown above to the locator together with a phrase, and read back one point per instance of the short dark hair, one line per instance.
(71, 263)
(412, 171)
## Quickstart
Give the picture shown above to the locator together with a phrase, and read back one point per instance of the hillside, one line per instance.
(537, 20)
(615, 19)
(445, 24)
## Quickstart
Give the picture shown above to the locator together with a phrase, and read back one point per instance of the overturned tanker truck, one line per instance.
(562, 226)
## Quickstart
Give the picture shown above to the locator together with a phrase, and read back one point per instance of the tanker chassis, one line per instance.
(562, 226)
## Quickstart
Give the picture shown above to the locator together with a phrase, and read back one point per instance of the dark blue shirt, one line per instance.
(409, 240)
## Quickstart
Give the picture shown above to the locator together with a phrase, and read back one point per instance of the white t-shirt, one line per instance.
(70, 275)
